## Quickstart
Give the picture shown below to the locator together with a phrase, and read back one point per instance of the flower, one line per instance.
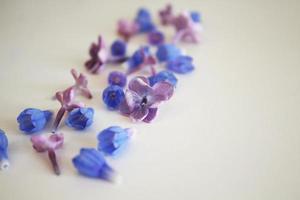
(32, 120)
(80, 118)
(66, 99)
(4, 163)
(166, 15)
(195, 16)
(163, 76)
(141, 100)
(166, 52)
(141, 58)
(113, 139)
(112, 96)
(118, 48)
(143, 19)
(127, 29)
(91, 163)
(117, 78)
(98, 55)
(156, 38)
(81, 83)
(42, 143)
(181, 65)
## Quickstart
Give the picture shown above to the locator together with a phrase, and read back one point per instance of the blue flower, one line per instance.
(117, 78)
(156, 38)
(144, 21)
(196, 17)
(113, 139)
(166, 52)
(163, 76)
(181, 65)
(118, 48)
(80, 118)
(138, 58)
(4, 163)
(91, 163)
(113, 96)
(32, 120)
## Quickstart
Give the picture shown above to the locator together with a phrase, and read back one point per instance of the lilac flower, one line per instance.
(141, 100)
(81, 83)
(91, 163)
(166, 15)
(127, 29)
(140, 59)
(114, 139)
(4, 163)
(156, 38)
(98, 55)
(181, 65)
(195, 16)
(80, 118)
(143, 19)
(166, 52)
(32, 120)
(112, 96)
(117, 78)
(42, 143)
(163, 76)
(66, 99)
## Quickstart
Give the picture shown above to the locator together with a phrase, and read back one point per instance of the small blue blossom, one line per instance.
(144, 21)
(118, 48)
(113, 96)
(91, 163)
(138, 58)
(163, 76)
(80, 118)
(196, 17)
(166, 52)
(181, 65)
(156, 38)
(4, 163)
(32, 120)
(112, 140)
(117, 78)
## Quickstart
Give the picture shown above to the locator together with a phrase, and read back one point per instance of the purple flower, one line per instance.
(166, 15)
(42, 143)
(98, 55)
(163, 76)
(117, 78)
(181, 65)
(81, 83)
(156, 38)
(141, 100)
(127, 29)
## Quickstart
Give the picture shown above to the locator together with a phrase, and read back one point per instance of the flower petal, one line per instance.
(162, 91)
(140, 85)
(151, 115)
(139, 113)
(131, 100)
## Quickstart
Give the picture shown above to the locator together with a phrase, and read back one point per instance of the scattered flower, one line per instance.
(91, 163)
(163, 76)
(112, 96)
(98, 55)
(166, 52)
(195, 16)
(32, 120)
(118, 48)
(117, 78)
(166, 15)
(127, 29)
(143, 19)
(156, 38)
(112, 140)
(80, 118)
(42, 143)
(181, 65)
(4, 163)
(81, 83)
(141, 100)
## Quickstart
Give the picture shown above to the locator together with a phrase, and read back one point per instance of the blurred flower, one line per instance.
(166, 52)
(118, 48)
(141, 100)
(113, 139)
(32, 120)
(42, 143)
(156, 38)
(166, 15)
(195, 16)
(98, 55)
(80, 118)
(4, 163)
(143, 19)
(91, 163)
(117, 78)
(163, 76)
(112, 96)
(181, 65)
(81, 83)
(127, 29)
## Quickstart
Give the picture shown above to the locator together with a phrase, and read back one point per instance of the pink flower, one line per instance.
(42, 143)
(166, 15)
(81, 83)
(127, 29)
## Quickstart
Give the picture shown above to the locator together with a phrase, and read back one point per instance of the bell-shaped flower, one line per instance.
(80, 118)
(4, 163)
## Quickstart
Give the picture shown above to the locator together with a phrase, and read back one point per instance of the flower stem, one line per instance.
(58, 118)
(52, 157)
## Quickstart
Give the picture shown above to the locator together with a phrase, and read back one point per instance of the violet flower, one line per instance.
(66, 99)
(81, 83)
(166, 15)
(127, 29)
(141, 100)
(42, 143)
(98, 55)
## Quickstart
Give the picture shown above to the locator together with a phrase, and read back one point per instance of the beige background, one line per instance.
(230, 132)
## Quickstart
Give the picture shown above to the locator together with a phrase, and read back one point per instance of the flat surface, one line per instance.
(230, 132)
